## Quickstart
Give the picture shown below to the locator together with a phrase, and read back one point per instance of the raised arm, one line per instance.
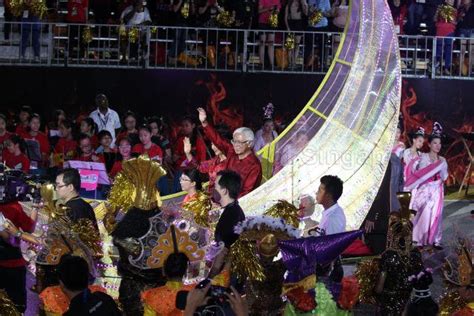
(213, 135)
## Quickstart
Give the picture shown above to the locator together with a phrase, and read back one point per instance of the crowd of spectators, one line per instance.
(32, 144)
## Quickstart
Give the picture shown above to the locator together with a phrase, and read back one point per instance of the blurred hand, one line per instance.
(238, 303)
(202, 115)
(10, 227)
(369, 226)
(187, 145)
(196, 298)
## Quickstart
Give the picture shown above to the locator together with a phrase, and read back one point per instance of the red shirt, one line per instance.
(211, 167)
(43, 141)
(67, 147)
(249, 168)
(20, 162)
(88, 158)
(6, 136)
(116, 168)
(76, 11)
(153, 152)
(198, 151)
(14, 212)
(21, 130)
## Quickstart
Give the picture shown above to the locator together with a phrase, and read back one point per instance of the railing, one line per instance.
(152, 47)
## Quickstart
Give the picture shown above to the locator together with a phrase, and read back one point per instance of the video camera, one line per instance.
(16, 186)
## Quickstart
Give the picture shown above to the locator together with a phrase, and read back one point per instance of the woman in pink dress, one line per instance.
(411, 154)
(431, 170)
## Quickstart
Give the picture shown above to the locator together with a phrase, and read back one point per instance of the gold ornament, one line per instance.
(268, 246)
(7, 307)
(286, 211)
(38, 8)
(89, 235)
(133, 35)
(135, 185)
(122, 31)
(225, 19)
(245, 263)
(199, 205)
(290, 41)
(185, 10)
(17, 7)
(450, 303)
(458, 268)
(447, 13)
(273, 19)
(367, 273)
(154, 30)
(315, 17)
(174, 241)
(87, 35)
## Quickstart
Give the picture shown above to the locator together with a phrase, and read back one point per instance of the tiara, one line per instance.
(437, 130)
(268, 111)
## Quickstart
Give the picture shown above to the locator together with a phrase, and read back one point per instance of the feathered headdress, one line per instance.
(135, 185)
(437, 130)
(174, 241)
(420, 132)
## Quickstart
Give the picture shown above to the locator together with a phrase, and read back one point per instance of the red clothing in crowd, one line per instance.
(116, 168)
(94, 141)
(249, 168)
(67, 147)
(21, 130)
(6, 136)
(198, 151)
(43, 141)
(20, 162)
(211, 167)
(14, 212)
(153, 152)
(76, 11)
(88, 158)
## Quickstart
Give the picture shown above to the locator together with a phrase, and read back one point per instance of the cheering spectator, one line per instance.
(105, 150)
(86, 152)
(34, 135)
(399, 12)
(198, 147)
(294, 14)
(30, 26)
(210, 167)
(125, 153)
(265, 135)
(158, 136)
(77, 13)
(24, 117)
(313, 41)
(265, 9)
(4, 134)
(240, 157)
(15, 158)
(105, 117)
(445, 27)
(135, 15)
(88, 128)
(66, 145)
(146, 146)
(130, 120)
(191, 183)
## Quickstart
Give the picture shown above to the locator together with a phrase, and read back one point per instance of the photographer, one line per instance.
(198, 298)
(12, 264)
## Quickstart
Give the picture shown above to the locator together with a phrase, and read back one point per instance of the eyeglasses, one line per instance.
(236, 142)
(184, 179)
(59, 186)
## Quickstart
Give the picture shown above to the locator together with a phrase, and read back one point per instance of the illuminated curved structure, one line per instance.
(350, 121)
(346, 129)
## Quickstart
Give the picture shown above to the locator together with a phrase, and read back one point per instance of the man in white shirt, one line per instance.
(135, 15)
(105, 118)
(333, 220)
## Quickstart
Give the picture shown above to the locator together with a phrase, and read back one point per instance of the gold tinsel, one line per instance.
(87, 35)
(185, 10)
(133, 35)
(285, 210)
(121, 194)
(17, 7)
(122, 31)
(153, 29)
(451, 302)
(290, 41)
(50, 206)
(245, 262)
(89, 235)
(7, 307)
(273, 19)
(367, 273)
(447, 13)
(315, 17)
(225, 19)
(38, 8)
(199, 205)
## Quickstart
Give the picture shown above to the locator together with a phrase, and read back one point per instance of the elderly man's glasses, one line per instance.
(237, 142)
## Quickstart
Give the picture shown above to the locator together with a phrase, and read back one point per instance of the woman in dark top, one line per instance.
(109, 154)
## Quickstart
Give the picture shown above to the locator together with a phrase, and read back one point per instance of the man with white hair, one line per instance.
(239, 153)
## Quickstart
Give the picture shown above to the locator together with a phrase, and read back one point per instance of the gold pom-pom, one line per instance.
(89, 235)
(447, 13)
(225, 19)
(367, 273)
(290, 41)
(285, 210)
(199, 205)
(87, 35)
(17, 7)
(315, 17)
(273, 19)
(122, 31)
(153, 30)
(38, 8)
(185, 10)
(133, 35)
(6, 305)
(245, 263)
(122, 192)
(451, 302)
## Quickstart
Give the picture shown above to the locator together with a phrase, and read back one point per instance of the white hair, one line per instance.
(247, 133)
